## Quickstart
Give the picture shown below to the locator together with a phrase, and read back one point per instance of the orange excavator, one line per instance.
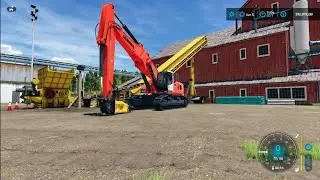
(162, 90)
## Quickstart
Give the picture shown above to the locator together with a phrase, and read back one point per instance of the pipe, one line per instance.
(255, 25)
(101, 57)
(125, 27)
(79, 89)
(32, 51)
(191, 80)
(146, 82)
(236, 26)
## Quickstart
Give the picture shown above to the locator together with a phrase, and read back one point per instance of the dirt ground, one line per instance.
(198, 142)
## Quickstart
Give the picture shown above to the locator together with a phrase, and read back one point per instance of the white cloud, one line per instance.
(70, 36)
(67, 60)
(60, 37)
(8, 49)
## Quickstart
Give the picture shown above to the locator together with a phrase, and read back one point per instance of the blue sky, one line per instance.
(65, 28)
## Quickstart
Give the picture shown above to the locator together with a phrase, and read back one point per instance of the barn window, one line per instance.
(157, 65)
(215, 58)
(299, 93)
(243, 92)
(295, 93)
(243, 53)
(272, 93)
(275, 7)
(188, 64)
(285, 93)
(263, 50)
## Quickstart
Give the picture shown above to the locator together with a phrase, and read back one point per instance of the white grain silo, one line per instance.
(300, 33)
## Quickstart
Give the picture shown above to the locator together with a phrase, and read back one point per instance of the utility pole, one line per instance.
(80, 84)
(80, 68)
(34, 11)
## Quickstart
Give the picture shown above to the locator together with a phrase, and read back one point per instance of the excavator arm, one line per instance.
(109, 32)
(163, 91)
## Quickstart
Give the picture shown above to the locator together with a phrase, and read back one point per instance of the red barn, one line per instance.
(252, 62)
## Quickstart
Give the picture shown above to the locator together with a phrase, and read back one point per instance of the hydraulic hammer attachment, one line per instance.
(112, 107)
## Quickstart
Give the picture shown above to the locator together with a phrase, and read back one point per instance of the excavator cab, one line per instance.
(166, 84)
(166, 78)
(165, 81)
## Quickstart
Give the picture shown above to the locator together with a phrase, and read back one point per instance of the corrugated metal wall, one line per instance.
(6, 92)
(13, 76)
(16, 73)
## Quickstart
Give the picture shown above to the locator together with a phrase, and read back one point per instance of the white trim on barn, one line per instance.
(213, 59)
(188, 64)
(245, 90)
(285, 87)
(212, 90)
(264, 55)
(312, 76)
(245, 53)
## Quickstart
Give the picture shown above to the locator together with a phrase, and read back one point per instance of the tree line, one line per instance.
(92, 82)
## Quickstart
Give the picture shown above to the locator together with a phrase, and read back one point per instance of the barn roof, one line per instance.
(313, 75)
(224, 37)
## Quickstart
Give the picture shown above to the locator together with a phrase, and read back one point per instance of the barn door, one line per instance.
(212, 96)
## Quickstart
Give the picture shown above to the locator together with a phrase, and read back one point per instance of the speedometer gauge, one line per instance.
(277, 152)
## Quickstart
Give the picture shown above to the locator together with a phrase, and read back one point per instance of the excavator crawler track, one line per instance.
(157, 102)
(167, 101)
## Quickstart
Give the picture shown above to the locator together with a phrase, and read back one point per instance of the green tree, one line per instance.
(92, 82)
(117, 80)
(125, 79)
(73, 85)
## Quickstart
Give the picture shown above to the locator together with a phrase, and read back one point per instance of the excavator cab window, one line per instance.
(165, 81)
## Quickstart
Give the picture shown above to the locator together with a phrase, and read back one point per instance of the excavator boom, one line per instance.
(109, 31)
(162, 89)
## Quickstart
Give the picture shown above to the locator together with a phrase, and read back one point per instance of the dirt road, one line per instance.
(198, 142)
